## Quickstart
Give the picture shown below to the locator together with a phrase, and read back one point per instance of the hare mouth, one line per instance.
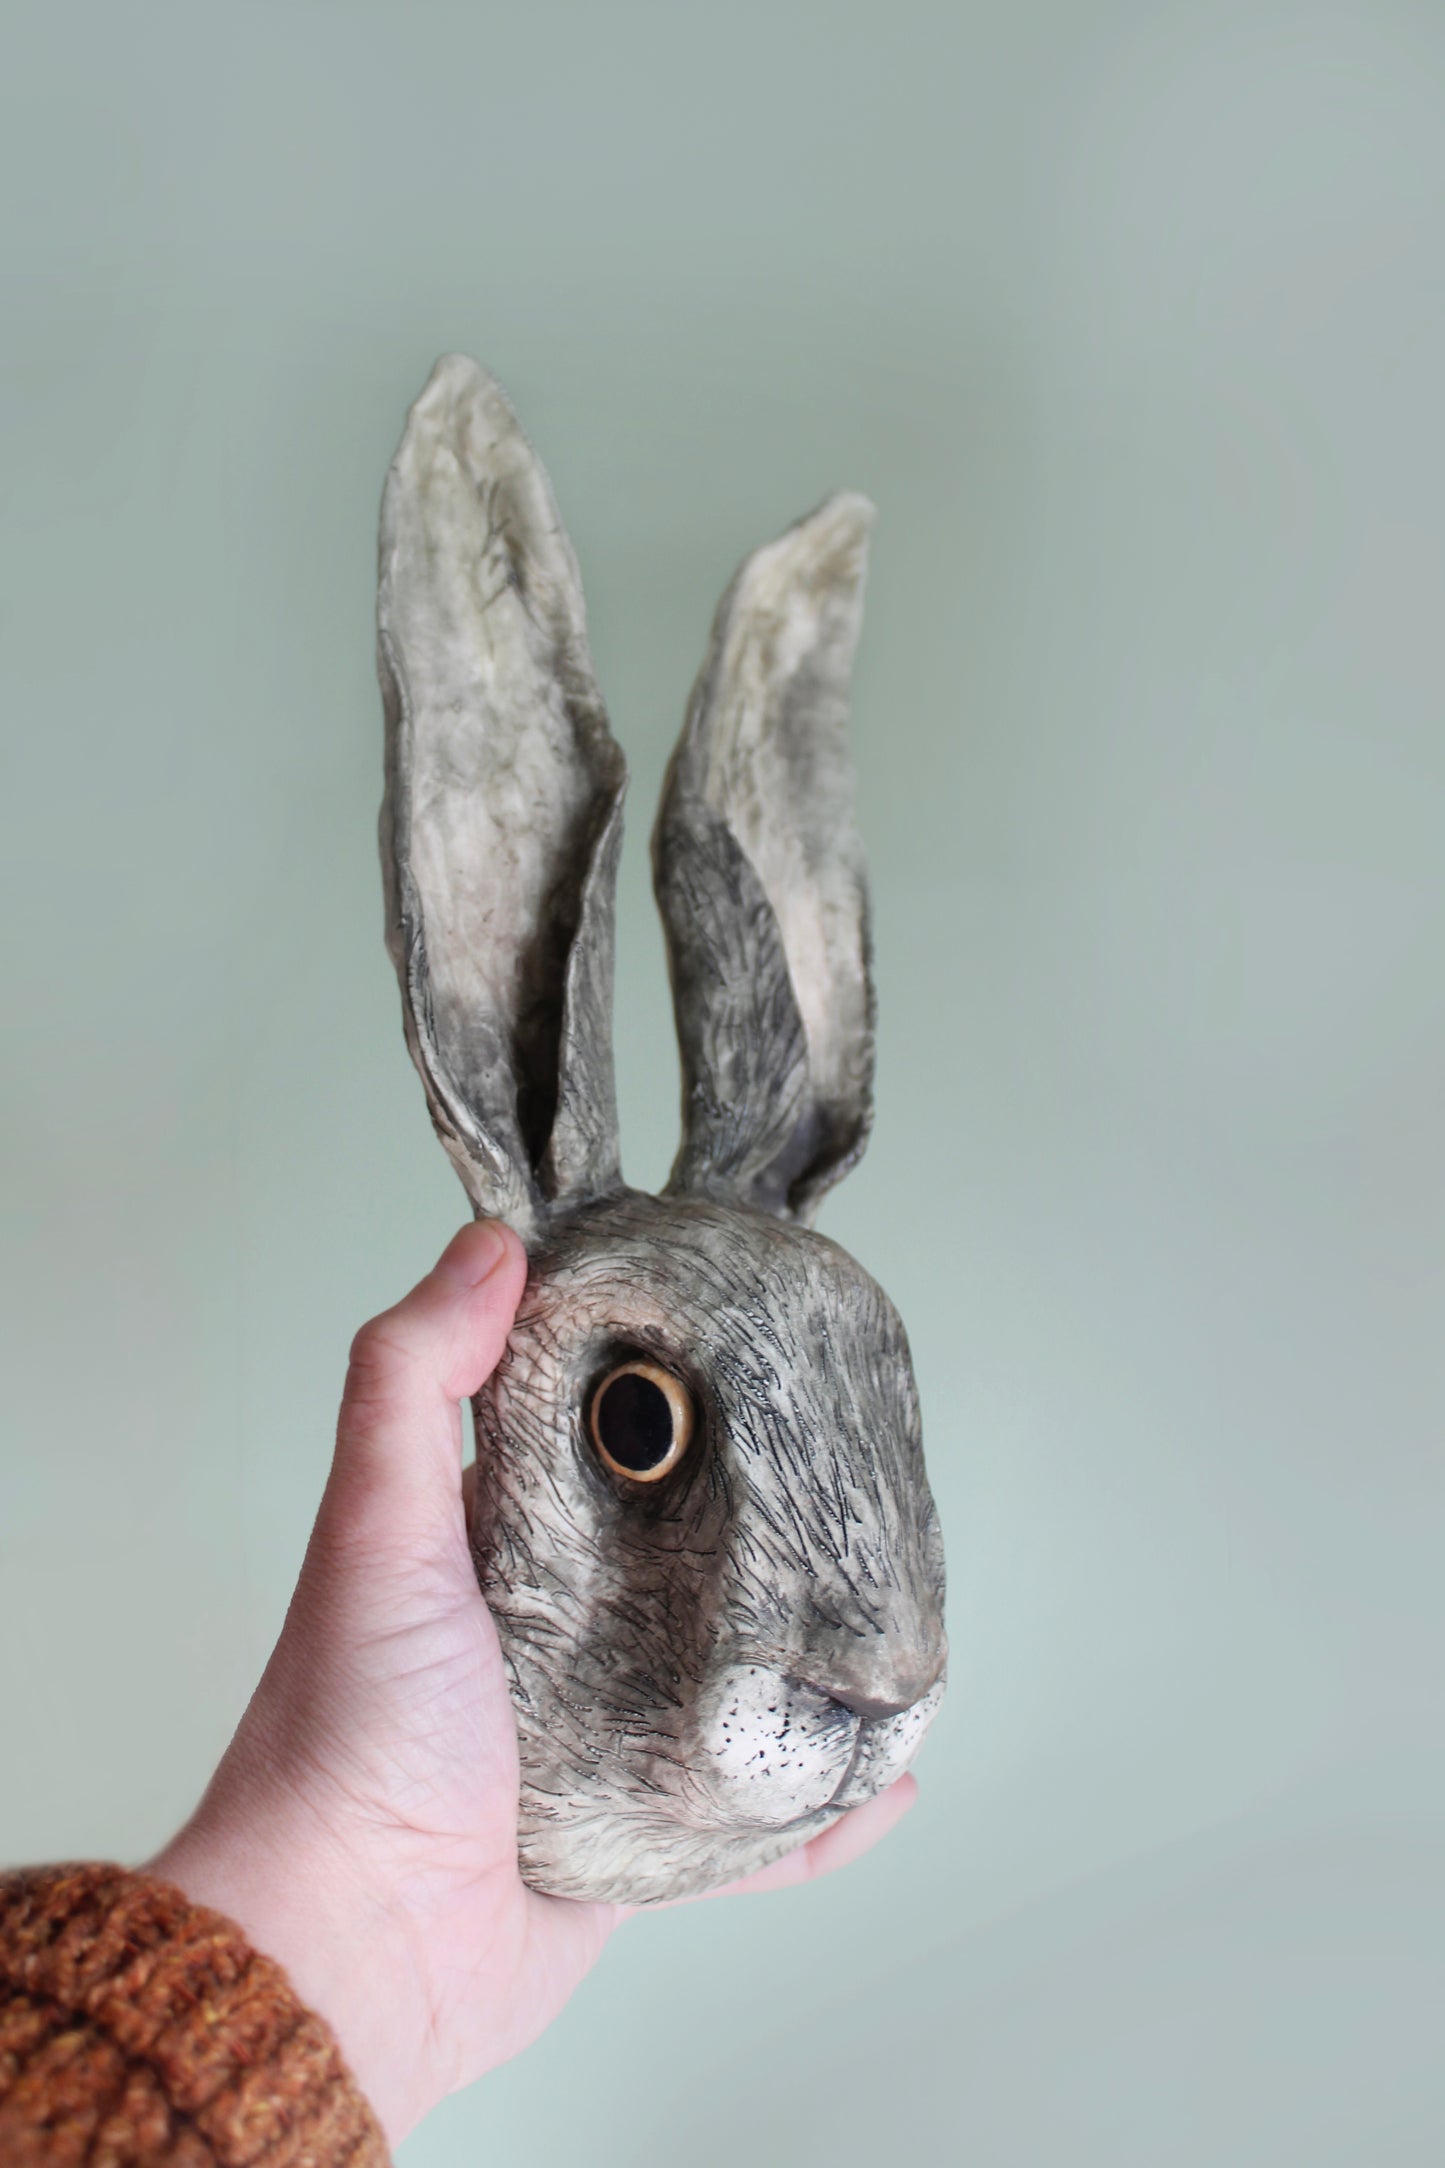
(873, 1733)
(840, 1789)
(883, 1748)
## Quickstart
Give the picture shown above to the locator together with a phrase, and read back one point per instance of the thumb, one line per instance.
(398, 1437)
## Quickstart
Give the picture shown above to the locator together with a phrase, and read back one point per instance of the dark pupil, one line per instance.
(634, 1422)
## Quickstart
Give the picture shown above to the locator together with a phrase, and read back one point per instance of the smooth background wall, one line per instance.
(1131, 319)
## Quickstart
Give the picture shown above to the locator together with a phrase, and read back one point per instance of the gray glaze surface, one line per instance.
(711, 1665)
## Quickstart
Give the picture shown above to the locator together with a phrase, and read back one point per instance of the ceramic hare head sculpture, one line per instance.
(701, 1516)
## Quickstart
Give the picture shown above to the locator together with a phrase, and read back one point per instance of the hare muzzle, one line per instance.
(778, 1750)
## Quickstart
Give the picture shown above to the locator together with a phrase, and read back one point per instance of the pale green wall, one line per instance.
(1130, 318)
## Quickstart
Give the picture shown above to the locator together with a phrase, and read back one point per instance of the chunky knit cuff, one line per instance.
(138, 2029)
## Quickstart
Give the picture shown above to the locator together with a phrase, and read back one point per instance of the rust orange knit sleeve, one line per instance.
(138, 2029)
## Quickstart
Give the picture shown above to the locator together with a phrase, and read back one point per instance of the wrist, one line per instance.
(300, 1901)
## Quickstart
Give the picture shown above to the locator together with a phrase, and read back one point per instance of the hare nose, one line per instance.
(866, 1706)
(907, 1685)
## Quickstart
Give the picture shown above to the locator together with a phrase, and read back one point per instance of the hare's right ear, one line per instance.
(759, 877)
(502, 817)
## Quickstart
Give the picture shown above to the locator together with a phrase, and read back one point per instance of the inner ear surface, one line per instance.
(759, 877)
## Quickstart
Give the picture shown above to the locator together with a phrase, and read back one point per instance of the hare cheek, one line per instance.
(772, 1751)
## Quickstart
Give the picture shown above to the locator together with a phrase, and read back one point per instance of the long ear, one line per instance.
(759, 878)
(502, 816)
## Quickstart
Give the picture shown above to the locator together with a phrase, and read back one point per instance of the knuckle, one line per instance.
(378, 1368)
(379, 1347)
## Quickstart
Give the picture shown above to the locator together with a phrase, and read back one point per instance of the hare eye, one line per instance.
(641, 1421)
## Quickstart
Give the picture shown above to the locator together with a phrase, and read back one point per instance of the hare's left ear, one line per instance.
(503, 809)
(759, 878)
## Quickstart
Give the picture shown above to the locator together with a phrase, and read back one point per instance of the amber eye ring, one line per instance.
(640, 1419)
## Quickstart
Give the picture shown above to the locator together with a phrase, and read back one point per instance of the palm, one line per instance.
(427, 1799)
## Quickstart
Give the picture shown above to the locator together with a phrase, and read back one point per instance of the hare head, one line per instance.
(701, 1517)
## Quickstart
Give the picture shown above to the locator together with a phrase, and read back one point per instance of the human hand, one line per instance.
(362, 1825)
